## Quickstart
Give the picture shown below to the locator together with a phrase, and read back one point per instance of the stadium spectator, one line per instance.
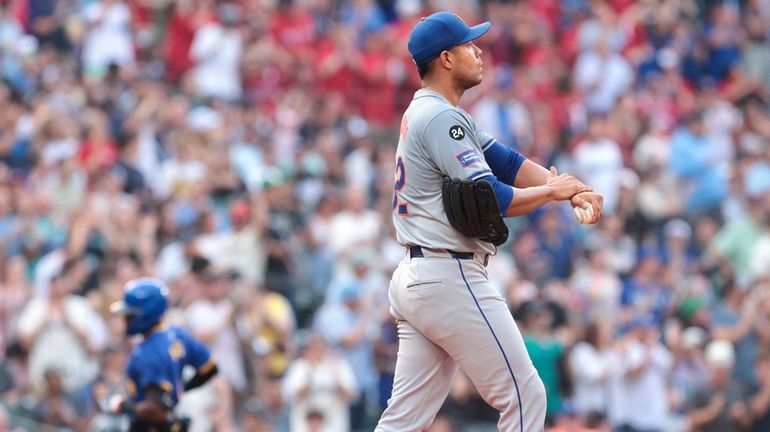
(182, 24)
(690, 369)
(695, 160)
(556, 242)
(721, 403)
(211, 319)
(108, 37)
(216, 50)
(591, 363)
(319, 381)
(603, 75)
(598, 159)
(596, 283)
(355, 213)
(347, 322)
(735, 241)
(62, 332)
(499, 112)
(645, 291)
(546, 352)
(55, 407)
(109, 382)
(759, 402)
(266, 325)
(46, 20)
(16, 292)
(733, 319)
(641, 389)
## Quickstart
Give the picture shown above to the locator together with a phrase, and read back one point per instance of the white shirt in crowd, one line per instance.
(108, 37)
(177, 174)
(47, 267)
(204, 316)
(324, 380)
(217, 53)
(57, 346)
(599, 163)
(240, 250)
(344, 238)
(602, 78)
(641, 402)
(591, 371)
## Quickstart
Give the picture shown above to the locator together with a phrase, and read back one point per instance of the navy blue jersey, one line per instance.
(159, 360)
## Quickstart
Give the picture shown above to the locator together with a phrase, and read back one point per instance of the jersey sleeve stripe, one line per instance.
(480, 173)
(486, 145)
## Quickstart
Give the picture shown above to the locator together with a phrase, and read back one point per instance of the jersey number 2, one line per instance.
(399, 185)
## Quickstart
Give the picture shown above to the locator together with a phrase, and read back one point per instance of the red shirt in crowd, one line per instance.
(97, 155)
(378, 96)
(141, 15)
(336, 68)
(294, 28)
(549, 12)
(264, 80)
(179, 35)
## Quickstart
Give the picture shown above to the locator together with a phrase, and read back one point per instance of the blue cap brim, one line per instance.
(476, 32)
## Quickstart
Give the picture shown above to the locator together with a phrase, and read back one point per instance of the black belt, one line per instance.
(416, 252)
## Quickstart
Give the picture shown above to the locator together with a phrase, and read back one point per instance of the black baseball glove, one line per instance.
(472, 209)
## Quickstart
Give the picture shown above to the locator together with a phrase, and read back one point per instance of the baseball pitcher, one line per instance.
(453, 185)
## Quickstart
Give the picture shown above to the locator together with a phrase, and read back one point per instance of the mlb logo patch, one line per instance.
(468, 158)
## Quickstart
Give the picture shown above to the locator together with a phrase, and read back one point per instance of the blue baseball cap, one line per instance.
(439, 32)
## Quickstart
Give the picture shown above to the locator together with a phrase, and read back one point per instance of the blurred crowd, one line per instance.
(242, 151)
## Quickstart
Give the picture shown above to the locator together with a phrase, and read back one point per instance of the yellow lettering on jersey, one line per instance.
(167, 386)
(176, 350)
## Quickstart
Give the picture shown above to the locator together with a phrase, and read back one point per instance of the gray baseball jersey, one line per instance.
(436, 139)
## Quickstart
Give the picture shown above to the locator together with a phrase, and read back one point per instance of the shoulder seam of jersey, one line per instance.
(429, 95)
(451, 108)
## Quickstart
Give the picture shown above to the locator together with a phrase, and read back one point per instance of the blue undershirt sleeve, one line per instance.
(504, 161)
(503, 193)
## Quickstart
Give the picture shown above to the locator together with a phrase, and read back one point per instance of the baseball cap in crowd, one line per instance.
(350, 291)
(691, 306)
(693, 337)
(677, 228)
(438, 32)
(720, 354)
(203, 119)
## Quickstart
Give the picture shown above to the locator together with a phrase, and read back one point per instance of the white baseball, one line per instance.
(579, 214)
(584, 215)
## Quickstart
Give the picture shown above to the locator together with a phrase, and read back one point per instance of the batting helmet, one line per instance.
(144, 303)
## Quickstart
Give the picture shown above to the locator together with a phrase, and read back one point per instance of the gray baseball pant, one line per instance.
(449, 315)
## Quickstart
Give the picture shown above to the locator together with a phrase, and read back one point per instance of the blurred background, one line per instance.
(242, 151)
